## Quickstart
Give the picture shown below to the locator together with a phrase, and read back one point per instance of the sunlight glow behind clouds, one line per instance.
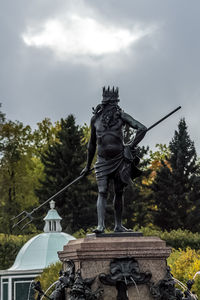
(77, 36)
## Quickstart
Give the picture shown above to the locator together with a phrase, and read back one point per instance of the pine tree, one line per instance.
(63, 162)
(175, 187)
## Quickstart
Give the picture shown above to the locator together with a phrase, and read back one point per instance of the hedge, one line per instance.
(177, 239)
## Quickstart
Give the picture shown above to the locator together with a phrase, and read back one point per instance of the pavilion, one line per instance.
(38, 253)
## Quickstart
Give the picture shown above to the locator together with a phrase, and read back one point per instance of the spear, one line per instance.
(138, 138)
(167, 116)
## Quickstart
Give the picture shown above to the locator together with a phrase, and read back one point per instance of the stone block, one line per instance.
(93, 255)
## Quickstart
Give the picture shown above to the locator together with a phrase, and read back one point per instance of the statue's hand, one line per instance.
(85, 171)
(139, 136)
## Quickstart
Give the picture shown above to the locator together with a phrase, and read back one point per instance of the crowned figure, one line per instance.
(116, 161)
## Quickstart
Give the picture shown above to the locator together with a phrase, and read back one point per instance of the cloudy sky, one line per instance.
(55, 56)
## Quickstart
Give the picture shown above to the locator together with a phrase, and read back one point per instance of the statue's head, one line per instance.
(110, 95)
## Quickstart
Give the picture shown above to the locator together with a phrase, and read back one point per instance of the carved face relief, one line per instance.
(123, 269)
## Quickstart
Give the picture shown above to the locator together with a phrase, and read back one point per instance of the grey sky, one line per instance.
(56, 55)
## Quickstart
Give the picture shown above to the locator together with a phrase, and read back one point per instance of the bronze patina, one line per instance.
(115, 160)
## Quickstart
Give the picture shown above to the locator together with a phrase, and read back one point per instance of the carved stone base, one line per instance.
(93, 255)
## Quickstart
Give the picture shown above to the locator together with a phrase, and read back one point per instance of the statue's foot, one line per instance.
(121, 228)
(99, 229)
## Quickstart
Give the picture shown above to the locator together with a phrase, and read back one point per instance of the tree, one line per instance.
(155, 161)
(176, 185)
(17, 168)
(20, 166)
(63, 162)
(45, 135)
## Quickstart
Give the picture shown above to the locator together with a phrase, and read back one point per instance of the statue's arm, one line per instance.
(91, 148)
(141, 129)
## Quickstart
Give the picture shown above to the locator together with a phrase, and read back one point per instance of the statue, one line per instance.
(115, 160)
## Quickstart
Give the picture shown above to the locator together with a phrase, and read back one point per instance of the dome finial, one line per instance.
(52, 204)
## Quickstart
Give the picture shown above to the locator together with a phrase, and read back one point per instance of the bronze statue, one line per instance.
(115, 160)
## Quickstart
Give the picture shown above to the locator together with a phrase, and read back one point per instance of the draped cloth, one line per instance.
(125, 163)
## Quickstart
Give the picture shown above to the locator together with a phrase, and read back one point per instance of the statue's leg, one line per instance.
(101, 204)
(118, 203)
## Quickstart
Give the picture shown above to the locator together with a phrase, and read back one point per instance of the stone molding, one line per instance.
(91, 248)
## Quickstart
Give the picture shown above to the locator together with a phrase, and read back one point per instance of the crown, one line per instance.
(110, 94)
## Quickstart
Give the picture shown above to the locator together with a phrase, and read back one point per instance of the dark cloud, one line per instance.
(155, 75)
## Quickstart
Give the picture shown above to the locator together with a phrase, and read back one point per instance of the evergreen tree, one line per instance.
(63, 162)
(176, 186)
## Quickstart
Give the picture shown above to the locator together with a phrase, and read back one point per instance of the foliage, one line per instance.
(81, 233)
(175, 238)
(176, 188)
(9, 247)
(21, 167)
(49, 276)
(184, 265)
(45, 135)
(155, 161)
(17, 167)
(86, 134)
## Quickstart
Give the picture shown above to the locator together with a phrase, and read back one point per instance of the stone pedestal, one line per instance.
(93, 255)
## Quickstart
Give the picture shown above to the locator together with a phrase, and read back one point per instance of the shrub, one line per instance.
(184, 265)
(49, 276)
(9, 247)
(175, 238)
(81, 233)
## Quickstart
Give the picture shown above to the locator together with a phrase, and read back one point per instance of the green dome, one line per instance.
(41, 250)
